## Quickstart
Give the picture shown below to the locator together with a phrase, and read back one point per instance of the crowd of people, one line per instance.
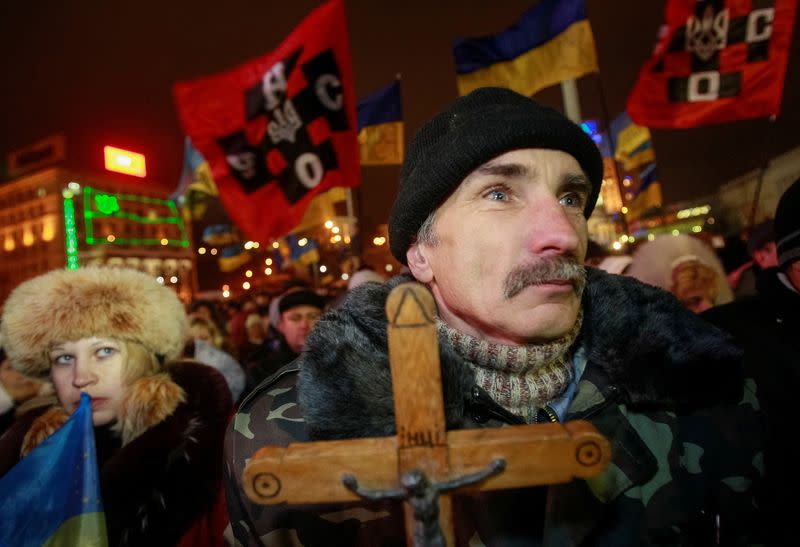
(683, 358)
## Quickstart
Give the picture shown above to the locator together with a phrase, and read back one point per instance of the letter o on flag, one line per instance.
(309, 170)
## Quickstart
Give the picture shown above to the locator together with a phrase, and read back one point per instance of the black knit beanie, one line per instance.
(300, 298)
(474, 129)
(787, 226)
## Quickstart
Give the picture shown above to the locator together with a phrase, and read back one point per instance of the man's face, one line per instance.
(766, 256)
(506, 265)
(296, 323)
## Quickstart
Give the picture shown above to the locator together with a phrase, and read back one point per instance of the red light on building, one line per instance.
(125, 161)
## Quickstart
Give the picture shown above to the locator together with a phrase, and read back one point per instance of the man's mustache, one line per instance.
(557, 268)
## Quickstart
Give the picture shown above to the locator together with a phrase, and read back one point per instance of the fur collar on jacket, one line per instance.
(649, 346)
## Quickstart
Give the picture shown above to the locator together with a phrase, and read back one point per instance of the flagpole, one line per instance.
(572, 101)
(349, 233)
(612, 145)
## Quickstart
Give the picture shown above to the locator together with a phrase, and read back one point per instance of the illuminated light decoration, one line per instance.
(389, 267)
(347, 239)
(226, 294)
(675, 232)
(626, 182)
(70, 233)
(256, 245)
(333, 239)
(650, 237)
(74, 186)
(345, 277)
(710, 220)
(248, 273)
(248, 245)
(124, 161)
(275, 244)
(616, 245)
(335, 230)
(226, 287)
(160, 279)
(246, 285)
(110, 238)
(697, 229)
(624, 210)
(201, 251)
(631, 239)
(378, 241)
(8, 244)
(323, 269)
(49, 229)
(268, 262)
(173, 279)
(27, 237)
(268, 271)
(213, 251)
(302, 242)
(329, 224)
(100, 205)
(623, 238)
(337, 238)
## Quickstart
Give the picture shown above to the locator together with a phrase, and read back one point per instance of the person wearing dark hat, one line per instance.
(116, 335)
(299, 310)
(763, 254)
(491, 216)
(766, 325)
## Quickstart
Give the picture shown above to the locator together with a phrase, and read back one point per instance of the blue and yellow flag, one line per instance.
(551, 42)
(633, 145)
(233, 257)
(380, 126)
(302, 250)
(648, 196)
(196, 184)
(52, 496)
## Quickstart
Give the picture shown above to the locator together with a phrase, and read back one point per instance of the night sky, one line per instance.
(102, 74)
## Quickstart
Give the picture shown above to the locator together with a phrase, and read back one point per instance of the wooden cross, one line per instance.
(423, 461)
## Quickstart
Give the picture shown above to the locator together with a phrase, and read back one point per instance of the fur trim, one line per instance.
(67, 305)
(148, 402)
(44, 426)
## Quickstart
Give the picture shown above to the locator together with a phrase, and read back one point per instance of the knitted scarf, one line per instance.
(521, 379)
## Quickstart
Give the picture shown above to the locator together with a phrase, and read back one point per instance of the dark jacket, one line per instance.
(767, 327)
(662, 385)
(265, 361)
(165, 482)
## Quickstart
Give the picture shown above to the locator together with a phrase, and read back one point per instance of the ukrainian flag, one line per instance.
(233, 257)
(196, 184)
(380, 126)
(52, 496)
(551, 42)
(648, 196)
(633, 145)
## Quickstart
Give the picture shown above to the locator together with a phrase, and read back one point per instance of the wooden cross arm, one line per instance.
(306, 473)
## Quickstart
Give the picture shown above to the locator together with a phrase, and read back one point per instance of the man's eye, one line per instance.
(497, 195)
(572, 200)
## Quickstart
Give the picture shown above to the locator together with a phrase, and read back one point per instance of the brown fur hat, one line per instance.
(64, 305)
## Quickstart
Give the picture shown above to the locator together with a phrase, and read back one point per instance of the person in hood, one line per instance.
(491, 216)
(114, 334)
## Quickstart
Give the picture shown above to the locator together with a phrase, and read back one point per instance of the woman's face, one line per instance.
(94, 366)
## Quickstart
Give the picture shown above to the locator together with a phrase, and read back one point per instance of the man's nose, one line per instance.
(552, 230)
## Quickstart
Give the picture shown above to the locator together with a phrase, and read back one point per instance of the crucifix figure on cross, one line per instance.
(423, 462)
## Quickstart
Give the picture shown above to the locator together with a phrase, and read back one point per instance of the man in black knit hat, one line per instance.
(767, 326)
(491, 216)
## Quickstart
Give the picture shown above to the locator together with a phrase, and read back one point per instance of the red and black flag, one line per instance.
(716, 61)
(279, 129)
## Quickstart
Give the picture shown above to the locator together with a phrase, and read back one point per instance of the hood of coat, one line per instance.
(648, 345)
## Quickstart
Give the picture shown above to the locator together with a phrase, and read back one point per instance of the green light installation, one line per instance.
(103, 205)
(71, 233)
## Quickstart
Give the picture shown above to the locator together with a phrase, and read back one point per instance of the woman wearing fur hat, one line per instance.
(159, 424)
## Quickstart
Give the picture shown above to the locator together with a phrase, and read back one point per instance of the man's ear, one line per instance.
(418, 263)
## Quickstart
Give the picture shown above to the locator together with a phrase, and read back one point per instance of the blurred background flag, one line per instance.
(380, 126)
(196, 184)
(233, 257)
(302, 250)
(220, 235)
(648, 196)
(550, 43)
(52, 496)
(633, 145)
(715, 61)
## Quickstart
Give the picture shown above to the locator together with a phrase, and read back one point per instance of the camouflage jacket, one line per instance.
(662, 385)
